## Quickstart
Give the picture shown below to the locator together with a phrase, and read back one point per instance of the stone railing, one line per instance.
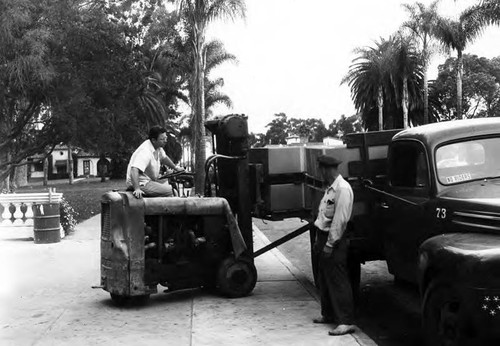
(16, 209)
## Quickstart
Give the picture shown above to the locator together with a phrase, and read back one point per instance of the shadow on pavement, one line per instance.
(390, 314)
(156, 299)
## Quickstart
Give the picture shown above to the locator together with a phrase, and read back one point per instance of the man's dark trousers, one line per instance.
(333, 280)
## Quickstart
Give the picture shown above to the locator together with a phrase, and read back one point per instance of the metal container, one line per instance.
(46, 223)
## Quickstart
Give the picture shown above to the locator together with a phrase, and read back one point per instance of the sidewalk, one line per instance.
(46, 299)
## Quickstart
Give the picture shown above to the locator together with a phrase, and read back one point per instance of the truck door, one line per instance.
(405, 209)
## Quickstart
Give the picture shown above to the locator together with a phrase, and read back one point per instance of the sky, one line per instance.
(293, 54)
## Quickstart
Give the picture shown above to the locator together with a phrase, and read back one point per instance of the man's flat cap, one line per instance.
(328, 161)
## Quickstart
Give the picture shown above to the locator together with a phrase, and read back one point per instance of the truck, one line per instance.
(427, 201)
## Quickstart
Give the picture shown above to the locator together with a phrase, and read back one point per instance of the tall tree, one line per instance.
(216, 55)
(369, 79)
(458, 34)
(422, 23)
(346, 125)
(481, 88)
(27, 71)
(277, 129)
(198, 14)
(406, 73)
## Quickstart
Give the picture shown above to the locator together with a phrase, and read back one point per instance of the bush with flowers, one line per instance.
(68, 217)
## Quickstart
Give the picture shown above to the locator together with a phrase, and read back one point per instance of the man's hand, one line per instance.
(138, 193)
(327, 251)
(178, 169)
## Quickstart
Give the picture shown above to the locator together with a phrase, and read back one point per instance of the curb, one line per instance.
(361, 338)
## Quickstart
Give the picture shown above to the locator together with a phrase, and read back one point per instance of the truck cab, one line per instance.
(439, 222)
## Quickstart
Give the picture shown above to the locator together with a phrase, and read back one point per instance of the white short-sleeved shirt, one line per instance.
(335, 209)
(148, 160)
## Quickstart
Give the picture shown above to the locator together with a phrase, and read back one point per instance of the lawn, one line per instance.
(84, 195)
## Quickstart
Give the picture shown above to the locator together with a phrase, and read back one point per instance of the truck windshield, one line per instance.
(469, 160)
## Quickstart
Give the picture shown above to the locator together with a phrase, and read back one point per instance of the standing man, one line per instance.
(331, 247)
(144, 166)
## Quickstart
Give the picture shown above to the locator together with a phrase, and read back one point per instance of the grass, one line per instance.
(84, 195)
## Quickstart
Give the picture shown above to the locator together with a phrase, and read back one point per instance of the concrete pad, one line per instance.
(273, 323)
(268, 269)
(103, 323)
(46, 299)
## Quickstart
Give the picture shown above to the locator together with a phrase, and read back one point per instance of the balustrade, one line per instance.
(16, 209)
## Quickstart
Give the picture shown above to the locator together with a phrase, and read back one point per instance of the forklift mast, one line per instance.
(227, 170)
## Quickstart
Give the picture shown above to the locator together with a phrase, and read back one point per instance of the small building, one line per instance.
(84, 163)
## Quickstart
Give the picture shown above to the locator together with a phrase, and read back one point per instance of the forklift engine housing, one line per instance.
(184, 242)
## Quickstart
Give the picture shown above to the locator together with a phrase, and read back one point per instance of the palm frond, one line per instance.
(225, 9)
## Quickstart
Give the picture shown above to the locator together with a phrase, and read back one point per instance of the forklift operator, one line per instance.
(144, 166)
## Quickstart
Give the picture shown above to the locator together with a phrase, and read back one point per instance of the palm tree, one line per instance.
(213, 95)
(421, 24)
(368, 78)
(215, 55)
(457, 34)
(198, 14)
(163, 75)
(406, 73)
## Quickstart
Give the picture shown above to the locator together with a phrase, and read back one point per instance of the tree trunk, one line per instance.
(70, 164)
(191, 154)
(7, 180)
(199, 115)
(426, 95)
(425, 67)
(405, 102)
(380, 103)
(21, 175)
(459, 83)
(45, 171)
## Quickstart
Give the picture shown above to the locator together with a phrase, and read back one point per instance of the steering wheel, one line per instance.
(186, 179)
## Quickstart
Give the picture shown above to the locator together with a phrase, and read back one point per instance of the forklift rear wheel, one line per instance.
(236, 277)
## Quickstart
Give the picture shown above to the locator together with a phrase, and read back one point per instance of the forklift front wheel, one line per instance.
(236, 277)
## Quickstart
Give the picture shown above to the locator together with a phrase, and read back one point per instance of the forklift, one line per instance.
(185, 242)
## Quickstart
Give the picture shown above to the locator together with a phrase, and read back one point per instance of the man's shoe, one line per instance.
(343, 329)
(323, 320)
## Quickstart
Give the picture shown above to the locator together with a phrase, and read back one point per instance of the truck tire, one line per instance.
(441, 316)
(236, 277)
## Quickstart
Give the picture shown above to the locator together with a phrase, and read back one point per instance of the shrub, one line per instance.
(68, 217)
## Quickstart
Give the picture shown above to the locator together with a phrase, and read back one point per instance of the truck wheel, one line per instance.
(236, 277)
(441, 316)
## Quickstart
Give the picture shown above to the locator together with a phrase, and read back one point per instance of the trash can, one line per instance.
(46, 223)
